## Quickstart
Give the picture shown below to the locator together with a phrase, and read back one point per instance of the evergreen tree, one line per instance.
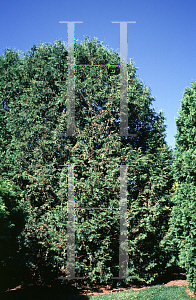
(8, 68)
(38, 147)
(181, 235)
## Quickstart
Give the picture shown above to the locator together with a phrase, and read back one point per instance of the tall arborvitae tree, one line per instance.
(37, 121)
(181, 238)
(100, 150)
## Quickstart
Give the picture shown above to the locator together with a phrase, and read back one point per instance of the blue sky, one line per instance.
(162, 43)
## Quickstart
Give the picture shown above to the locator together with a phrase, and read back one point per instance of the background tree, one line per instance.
(37, 122)
(181, 236)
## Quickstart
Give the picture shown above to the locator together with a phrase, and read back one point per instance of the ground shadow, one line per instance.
(57, 291)
(172, 273)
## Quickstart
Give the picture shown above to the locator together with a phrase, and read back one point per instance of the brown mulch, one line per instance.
(97, 290)
(172, 278)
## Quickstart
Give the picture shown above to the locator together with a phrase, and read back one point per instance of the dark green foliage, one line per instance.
(181, 238)
(12, 222)
(36, 124)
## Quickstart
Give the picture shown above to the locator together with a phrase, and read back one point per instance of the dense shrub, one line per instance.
(35, 90)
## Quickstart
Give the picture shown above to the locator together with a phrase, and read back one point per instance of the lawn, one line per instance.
(153, 293)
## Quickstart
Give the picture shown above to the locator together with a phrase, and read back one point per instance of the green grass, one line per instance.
(154, 293)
